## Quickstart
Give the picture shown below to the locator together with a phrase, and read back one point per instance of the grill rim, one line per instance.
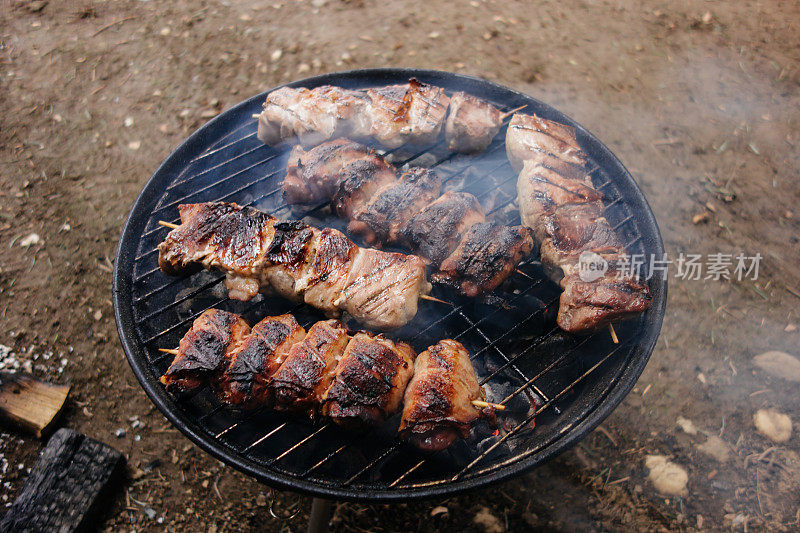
(134, 349)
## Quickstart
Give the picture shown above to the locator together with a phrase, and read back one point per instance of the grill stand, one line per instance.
(319, 516)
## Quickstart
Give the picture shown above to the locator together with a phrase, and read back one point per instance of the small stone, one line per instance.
(65, 227)
(667, 477)
(261, 499)
(489, 522)
(303, 68)
(128, 122)
(717, 448)
(434, 35)
(779, 364)
(165, 31)
(98, 315)
(134, 145)
(441, 509)
(150, 512)
(708, 17)
(57, 118)
(119, 433)
(346, 57)
(789, 328)
(774, 425)
(687, 425)
(705, 216)
(30, 240)
(276, 55)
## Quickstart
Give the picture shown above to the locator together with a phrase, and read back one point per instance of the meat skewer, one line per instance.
(321, 267)
(449, 232)
(356, 381)
(559, 203)
(392, 115)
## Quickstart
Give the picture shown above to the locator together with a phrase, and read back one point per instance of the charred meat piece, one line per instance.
(438, 401)
(369, 381)
(471, 124)
(413, 112)
(435, 231)
(358, 183)
(378, 288)
(484, 258)
(288, 257)
(220, 235)
(313, 115)
(313, 176)
(256, 358)
(586, 306)
(382, 218)
(205, 350)
(327, 274)
(305, 375)
(529, 135)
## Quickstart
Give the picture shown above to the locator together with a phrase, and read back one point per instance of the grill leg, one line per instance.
(320, 515)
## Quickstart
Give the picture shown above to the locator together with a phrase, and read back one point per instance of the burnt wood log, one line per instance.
(66, 487)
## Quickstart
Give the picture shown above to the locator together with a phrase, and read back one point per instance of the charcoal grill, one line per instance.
(557, 386)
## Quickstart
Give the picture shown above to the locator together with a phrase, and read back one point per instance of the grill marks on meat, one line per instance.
(204, 350)
(485, 257)
(471, 124)
(369, 381)
(358, 182)
(438, 401)
(358, 381)
(393, 115)
(436, 230)
(558, 201)
(255, 358)
(408, 211)
(306, 374)
(322, 268)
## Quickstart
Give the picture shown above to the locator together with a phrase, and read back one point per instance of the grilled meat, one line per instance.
(358, 182)
(485, 257)
(382, 218)
(205, 350)
(255, 358)
(558, 201)
(471, 124)
(436, 230)
(256, 252)
(438, 408)
(306, 374)
(313, 115)
(369, 381)
(413, 113)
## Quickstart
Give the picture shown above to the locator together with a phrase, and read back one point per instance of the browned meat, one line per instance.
(358, 183)
(471, 124)
(558, 201)
(313, 115)
(306, 374)
(435, 231)
(205, 350)
(313, 176)
(413, 113)
(380, 289)
(484, 258)
(438, 401)
(378, 286)
(529, 135)
(369, 381)
(380, 220)
(255, 358)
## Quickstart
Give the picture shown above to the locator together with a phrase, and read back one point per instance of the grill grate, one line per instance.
(563, 384)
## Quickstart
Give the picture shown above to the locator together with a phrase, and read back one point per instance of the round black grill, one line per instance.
(558, 386)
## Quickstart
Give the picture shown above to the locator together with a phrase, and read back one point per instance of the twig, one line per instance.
(111, 24)
(168, 224)
(605, 432)
(431, 298)
(509, 113)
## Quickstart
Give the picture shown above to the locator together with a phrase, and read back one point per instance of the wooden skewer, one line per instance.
(613, 334)
(169, 225)
(431, 298)
(518, 271)
(481, 403)
(173, 351)
(254, 115)
(509, 113)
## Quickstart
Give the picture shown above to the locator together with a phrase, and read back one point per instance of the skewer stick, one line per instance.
(168, 350)
(518, 271)
(169, 225)
(614, 337)
(481, 403)
(255, 115)
(431, 298)
(509, 113)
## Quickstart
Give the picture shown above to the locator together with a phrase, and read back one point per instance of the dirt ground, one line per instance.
(700, 99)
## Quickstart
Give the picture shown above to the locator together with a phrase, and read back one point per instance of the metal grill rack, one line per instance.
(556, 386)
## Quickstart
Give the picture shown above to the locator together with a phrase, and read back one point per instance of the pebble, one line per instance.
(128, 122)
(134, 145)
(772, 424)
(687, 425)
(119, 433)
(441, 509)
(150, 512)
(276, 55)
(30, 240)
(303, 67)
(667, 477)
(489, 522)
(779, 365)
(717, 448)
